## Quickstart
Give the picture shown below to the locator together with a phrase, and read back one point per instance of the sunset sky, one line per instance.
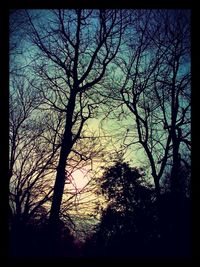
(111, 131)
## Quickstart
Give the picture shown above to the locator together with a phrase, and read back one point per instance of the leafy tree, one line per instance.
(129, 221)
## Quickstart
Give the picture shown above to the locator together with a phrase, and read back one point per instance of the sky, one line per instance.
(114, 134)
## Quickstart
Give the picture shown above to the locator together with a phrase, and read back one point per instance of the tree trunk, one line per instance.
(58, 188)
(157, 187)
(175, 167)
(176, 196)
(61, 172)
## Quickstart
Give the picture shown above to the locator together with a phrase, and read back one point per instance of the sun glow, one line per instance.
(80, 178)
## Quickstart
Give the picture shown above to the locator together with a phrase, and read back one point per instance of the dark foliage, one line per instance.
(37, 242)
(131, 226)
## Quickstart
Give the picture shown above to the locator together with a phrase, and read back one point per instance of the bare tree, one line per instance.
(34, 143)
(75, 48)
(155, 86)
(177, 84)
(30, 157)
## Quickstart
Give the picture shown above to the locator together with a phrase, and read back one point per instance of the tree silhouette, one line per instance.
(29, 161)
(154, 89)
(69, 67)
(129, 221)
(79, 55)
